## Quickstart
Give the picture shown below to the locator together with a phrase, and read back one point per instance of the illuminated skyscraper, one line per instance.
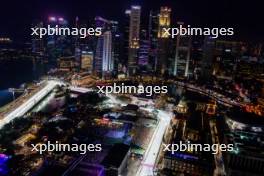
(108, 60)
(37, 43)
(87, 61)
(164, 21)
(163, 40)
(57, 46)
(77, 47)
(153, 38)
(134, 30)
(182, 55)
(106, 51)
(208, 57)
(143, 54)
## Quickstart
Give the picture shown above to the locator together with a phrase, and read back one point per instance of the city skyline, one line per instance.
(131, 88)
(191, 12)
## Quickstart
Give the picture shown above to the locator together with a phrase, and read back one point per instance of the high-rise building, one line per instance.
(153, 38)
(116, 46)
(108, 60)
(182, 56)
(57, 45)
(126, 37)
(164, 21)
(37, 43)
(208, 57)
(107, 48)
(143, 53)
(163, 40)
(77, 47)
(98, 60)
(134, 30)
(87, 61)
(227, 53)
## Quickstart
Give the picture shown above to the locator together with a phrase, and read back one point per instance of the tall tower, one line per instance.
(143, 53)
(153, 38)
(108, 60)
(87, 61)
(182, 55)
(76, 41)
(164, 21)
(134, 30)
(163, 40)
(106, 48)
(37, 43)
(208, 56)
(57, 46)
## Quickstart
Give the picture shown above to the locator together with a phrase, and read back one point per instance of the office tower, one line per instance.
(153, 38)
(126, 37)
(98, 60)
(77, 47)
(116, 46)
(37, 43)
(182, 56)
(143, 53)
(108, 61)
(107, 48)
(134, 30)
(196, 55)
(87, 61)
(57, 45)
(117, 53)
(208, 57)
(164, 21)
(228, 54)
(163, 40)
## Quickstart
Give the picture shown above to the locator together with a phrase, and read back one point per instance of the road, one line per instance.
(25, 107)
(219, 164)
(220, 98)
(147, 166)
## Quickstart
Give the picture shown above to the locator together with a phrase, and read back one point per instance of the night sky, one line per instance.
(246, 17)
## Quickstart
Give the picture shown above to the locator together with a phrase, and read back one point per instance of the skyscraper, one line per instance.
(182, 55)
(134, 30)
(105, 48)
(143, 53)
(87, 61)
(153, 38)
(208, 57)
(163, 40)
(108, 60)
(164, 21)
(77, 47)
(57, 46)
(37, 43)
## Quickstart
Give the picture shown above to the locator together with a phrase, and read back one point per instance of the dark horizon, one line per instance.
(17, 16)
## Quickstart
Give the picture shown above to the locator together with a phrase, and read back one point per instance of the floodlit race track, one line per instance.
(31, 102)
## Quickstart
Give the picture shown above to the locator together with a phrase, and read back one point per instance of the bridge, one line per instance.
(36, 98)
(27, 105)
